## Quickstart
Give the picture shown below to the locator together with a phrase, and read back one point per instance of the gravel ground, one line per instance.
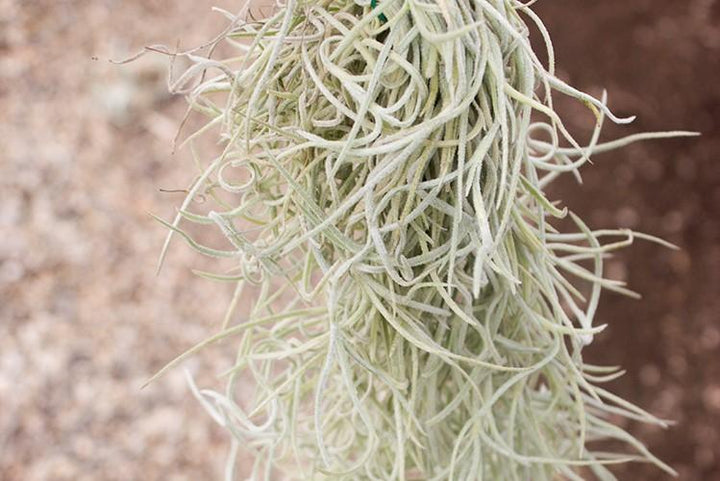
(85, 146)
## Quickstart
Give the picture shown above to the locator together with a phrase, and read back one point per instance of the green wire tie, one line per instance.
(382, 17)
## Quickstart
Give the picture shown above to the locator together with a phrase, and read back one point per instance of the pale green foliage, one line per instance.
(417, 315)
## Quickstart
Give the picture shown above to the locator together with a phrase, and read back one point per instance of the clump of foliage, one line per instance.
(415, 311)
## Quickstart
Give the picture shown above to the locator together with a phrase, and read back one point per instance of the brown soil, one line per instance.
(85, 145)
(661, 61)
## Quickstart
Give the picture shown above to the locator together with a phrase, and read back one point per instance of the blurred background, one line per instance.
(85, 147)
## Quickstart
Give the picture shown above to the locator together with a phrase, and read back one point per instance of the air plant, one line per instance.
(413, 311)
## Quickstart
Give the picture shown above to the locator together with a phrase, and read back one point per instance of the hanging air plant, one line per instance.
(412, 310)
